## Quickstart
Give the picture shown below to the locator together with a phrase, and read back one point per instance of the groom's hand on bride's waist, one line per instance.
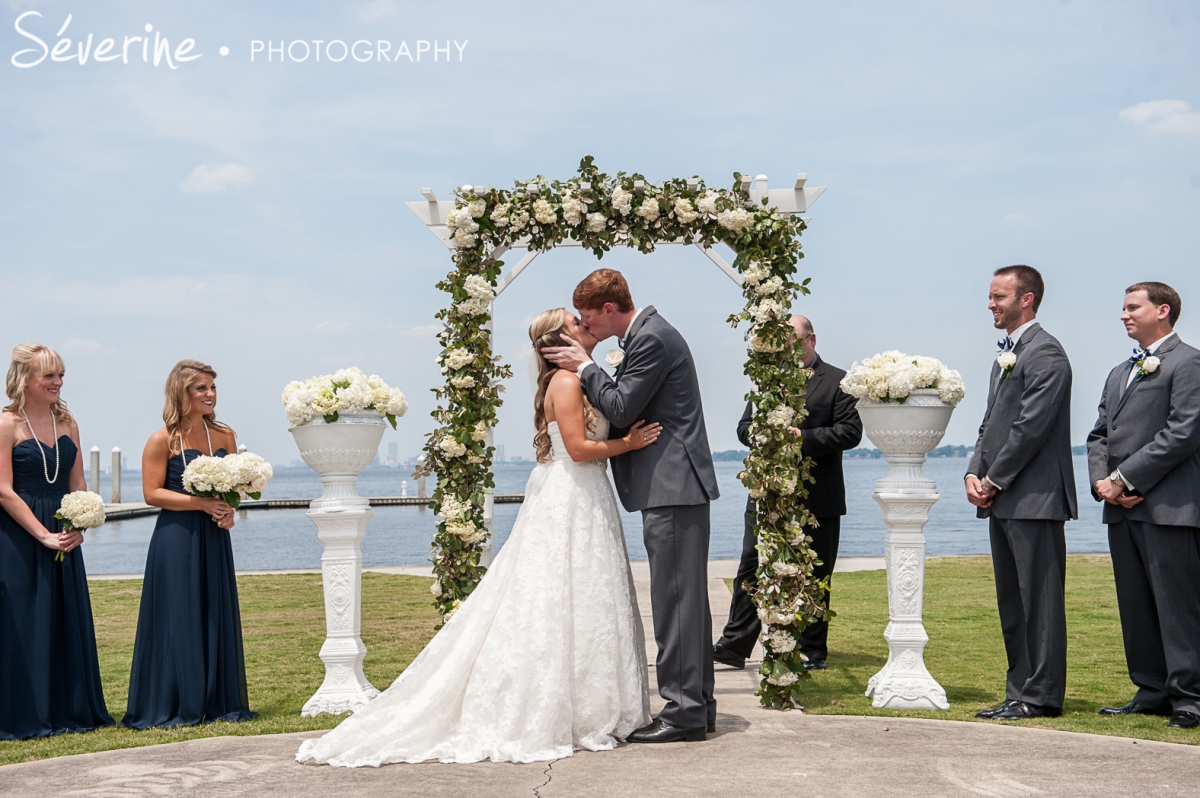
(572, 356)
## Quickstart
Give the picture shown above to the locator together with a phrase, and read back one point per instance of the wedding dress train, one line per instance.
(547, 656)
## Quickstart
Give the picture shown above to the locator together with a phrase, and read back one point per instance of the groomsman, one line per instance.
(831, 427)
(1144, 463)
(1021, 478)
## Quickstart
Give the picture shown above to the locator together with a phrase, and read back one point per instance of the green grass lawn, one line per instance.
(283, 625)
(966, 652)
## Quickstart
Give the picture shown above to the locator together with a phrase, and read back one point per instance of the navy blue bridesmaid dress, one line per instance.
(49, 671)
(188, 663)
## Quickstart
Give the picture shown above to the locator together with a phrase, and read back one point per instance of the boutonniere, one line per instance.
(1147, 365)
(615, 358)
(1007, 361)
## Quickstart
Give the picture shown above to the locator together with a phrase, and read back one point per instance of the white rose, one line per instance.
(1150, 364)
(451, 447)
(1007, 360)
(436, 588)
(614, 358)
(596, 222)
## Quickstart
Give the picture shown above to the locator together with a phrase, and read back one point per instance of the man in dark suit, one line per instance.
(831, 427)
(1144, 463)
(1022, 479)
(672, 483)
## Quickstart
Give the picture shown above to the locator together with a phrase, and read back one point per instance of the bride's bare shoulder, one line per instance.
(564, 381)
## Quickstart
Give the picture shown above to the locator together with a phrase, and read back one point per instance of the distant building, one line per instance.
(393, 457)
(500, 454)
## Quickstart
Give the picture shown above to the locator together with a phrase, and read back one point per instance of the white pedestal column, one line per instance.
(338, 452)
(905, 434)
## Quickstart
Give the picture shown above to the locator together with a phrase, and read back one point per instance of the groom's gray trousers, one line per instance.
(676, 539)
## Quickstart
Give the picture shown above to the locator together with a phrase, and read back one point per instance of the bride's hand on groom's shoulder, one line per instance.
(641, 435)
(569, 357)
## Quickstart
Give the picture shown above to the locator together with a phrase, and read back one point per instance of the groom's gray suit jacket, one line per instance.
(656, 382)
(1151, 431)
(1024, 444)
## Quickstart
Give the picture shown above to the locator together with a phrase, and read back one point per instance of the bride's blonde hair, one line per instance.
(547, 330)
(28, 359)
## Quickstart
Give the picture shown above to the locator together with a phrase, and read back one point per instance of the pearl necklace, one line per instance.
(45, 462)
(183, 444)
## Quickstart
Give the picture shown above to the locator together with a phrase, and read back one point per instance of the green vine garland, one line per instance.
(601, 212)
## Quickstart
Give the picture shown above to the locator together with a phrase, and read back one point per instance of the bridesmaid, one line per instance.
(188, 665)
(49, 671)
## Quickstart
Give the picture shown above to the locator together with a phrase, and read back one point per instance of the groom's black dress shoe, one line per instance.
(1182, 719)
(1134, 708)
(989, 714)
(727, 657)
(659, 732)
(1019, 710)
(814, 664)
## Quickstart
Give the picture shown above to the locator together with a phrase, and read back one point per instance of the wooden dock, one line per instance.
(125, 510)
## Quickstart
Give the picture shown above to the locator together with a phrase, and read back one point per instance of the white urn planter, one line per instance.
(905, 433)
(338, 452)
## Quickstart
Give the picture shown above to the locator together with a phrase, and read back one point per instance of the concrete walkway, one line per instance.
(754, 752)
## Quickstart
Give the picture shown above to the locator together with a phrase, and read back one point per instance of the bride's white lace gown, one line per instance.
(545, 657)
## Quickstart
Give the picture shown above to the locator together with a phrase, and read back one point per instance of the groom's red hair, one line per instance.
(601, 286)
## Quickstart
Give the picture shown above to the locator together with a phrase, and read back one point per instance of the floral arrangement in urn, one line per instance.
(80, 510)
(344, 391)
(232, 478)
(892, 376)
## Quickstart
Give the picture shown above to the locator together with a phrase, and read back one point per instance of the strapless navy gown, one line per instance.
(188, 663)
(49, 671)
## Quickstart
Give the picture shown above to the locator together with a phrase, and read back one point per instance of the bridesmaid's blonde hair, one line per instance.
(178, 406)
(28, 359)
(547, 330)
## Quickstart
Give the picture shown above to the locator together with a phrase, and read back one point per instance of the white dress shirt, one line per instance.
(1015, 335)
(1133, 370)
(624, 337)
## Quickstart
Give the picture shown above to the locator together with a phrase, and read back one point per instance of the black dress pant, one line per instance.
(1029, 557)
(1157, 571)
(743, 627)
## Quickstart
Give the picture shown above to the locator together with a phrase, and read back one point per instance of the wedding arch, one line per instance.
(598, 212)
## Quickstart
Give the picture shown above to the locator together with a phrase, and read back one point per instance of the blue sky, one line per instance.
(250, 214)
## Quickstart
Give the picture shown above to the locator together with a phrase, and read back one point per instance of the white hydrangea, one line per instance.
(893, 375)
(708, 202)
(622, 201)
(786, 680)
(474, 459)
(463, 382)
(518, 223)
(780, 416)
(499, 215)
(472, 307)
(461, 222)
(543, 211)
(81, 509)
(596, 222)
(755, 273)
(451, 447)
(780, 641)
(767, 309)
(573, 209)
(760, 345)
(735, 219)
(458, 358)
(251, 473)
(776, 616)
(785, 568)
(649, 210)
(478, 287)
(770, 286)
(209, 476)
(451, 507)
(477, 208)
(684, 211)
(480, 432)
(466, 531)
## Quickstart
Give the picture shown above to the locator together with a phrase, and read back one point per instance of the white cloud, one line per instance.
(424, 330)
(378, 9)
(83, 345)
(1164, 116)
(206, 179)
(334, 327)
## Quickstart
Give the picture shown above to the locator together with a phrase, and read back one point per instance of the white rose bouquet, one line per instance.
(80, 510)
(892, 376)
(346, 390)
(231, 479)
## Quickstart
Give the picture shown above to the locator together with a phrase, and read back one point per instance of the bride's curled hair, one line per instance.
(547, 330)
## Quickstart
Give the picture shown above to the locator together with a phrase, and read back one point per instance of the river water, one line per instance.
(267, 539)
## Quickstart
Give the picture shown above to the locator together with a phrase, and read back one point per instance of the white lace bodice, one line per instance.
(558, 449)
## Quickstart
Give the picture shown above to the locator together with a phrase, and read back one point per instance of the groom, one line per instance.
(672, 483)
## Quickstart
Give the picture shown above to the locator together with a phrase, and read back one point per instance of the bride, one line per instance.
(547, 655)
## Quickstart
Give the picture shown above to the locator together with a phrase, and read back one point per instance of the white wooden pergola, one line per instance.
(433, 212)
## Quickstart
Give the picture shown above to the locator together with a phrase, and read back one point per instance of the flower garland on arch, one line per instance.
(600, 212)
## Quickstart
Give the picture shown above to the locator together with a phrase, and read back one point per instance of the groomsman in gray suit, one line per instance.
(1144, 463)
(1021, 478)
(671, 483)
